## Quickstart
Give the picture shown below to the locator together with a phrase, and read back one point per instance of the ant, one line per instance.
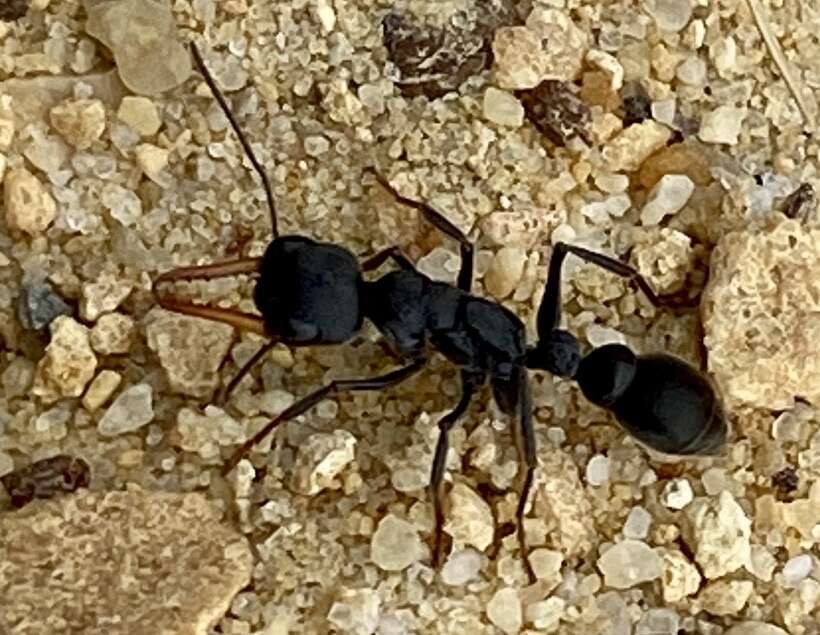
(312, 293)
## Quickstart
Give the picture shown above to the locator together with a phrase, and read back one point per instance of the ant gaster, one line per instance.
(310, 293)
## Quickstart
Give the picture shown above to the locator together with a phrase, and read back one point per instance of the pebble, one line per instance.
(519, 59)
(187, 564)
(100, 389)
(142, 35)
(687, 158)
(718, 532)
(68, 364)
(326, 15)
(395, 544)
(612, 183)
(692, 71)
(6, 464)
(132, 409)
(505, 271)
(29, 205)
(206, 434)
(152, 160)
(470, 520)
(559, 114)
(38, 305)
(762, 563)
(600, 212)
(502, 108)
(725, 597)
(755, 628)
(80, 122)
(680, 577)
(665, 260)
(722, 125)
(664, 111)
(112, 334)
(630, 563)
(669, 196)
(140, 114)
(316, 145)
(356, 612)
(658, 622)
(504, 610)
(546, 615)
(321, 458)
(597, 471)
(190, 350)
(565, 505)
(566, 43)
(546, 564)
(7, 129)
(627, 151)
(671, 15)
(103, 295)
(461, 567)
(797, 569)
(677, 494)
(637, 523)
(515, 228)
(759, 315)
(610, 65)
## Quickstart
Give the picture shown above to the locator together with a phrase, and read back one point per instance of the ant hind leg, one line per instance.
(469, 384)
(335, 387)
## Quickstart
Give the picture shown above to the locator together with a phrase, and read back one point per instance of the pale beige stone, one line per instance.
(134, 562)
(29, 205)
(68, 364)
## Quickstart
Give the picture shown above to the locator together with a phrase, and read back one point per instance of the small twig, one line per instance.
(780, 60)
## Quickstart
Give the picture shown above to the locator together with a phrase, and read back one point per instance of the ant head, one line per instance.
(308, 292)
(605, 374)
(559, 354)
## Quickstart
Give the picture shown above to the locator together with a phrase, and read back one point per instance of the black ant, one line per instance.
(311, 293)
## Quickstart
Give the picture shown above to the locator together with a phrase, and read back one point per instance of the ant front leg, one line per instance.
(335, 387)
(437, 219)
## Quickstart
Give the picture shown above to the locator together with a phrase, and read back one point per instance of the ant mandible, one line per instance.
(312, 293)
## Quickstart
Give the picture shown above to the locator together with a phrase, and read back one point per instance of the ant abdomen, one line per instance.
(659, 399)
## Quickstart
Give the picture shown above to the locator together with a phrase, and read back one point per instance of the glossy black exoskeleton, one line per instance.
(312, 293)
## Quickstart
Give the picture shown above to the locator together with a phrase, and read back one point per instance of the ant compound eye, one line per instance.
(606, 373)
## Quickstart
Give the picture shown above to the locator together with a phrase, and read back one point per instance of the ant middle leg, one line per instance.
(469, 383)
(393, 253)
(437, 219)
(335, 387)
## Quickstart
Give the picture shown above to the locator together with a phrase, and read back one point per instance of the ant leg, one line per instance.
(469, 383)
(335, 387)
(200, 63)
(237, 319)
(376, 260)
(209, 272)
(465, 274)
(246, 368)
(513, 397)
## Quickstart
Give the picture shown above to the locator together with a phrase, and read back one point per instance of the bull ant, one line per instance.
(312, 293)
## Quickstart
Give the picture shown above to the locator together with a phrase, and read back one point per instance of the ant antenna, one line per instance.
(245, 145)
